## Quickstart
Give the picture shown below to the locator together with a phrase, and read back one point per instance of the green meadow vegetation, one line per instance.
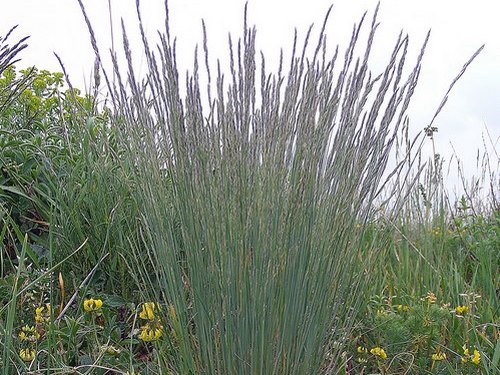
(260, 222)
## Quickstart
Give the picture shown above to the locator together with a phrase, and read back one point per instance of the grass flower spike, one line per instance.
(173, 314)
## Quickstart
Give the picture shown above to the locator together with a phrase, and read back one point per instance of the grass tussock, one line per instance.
(250, 205)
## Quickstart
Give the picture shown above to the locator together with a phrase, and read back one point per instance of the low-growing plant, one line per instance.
(98, 335)
(423, 336)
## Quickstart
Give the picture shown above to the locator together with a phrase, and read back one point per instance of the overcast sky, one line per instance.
(459, 27)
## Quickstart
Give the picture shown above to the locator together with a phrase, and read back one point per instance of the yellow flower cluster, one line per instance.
(29, 334)
(436, 231)
(42, 314)
(91, 304)
(403, 308)
(438, 356)
(152, 330)
(379, 352)
(150, 333)
(148, 311)
(361, 350)
(474, 358)
(376, 351)
(27, 354)
(462, 310)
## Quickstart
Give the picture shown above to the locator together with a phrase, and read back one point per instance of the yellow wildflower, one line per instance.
(38, 310)
(381, 312)
(92, 304)
(151, 333)
(379, 352)
(466, 355)
(461, 310)
(361, 349)
(403, 308)
(476, 358)
(148, 311)
(27, 354)
(42, 314)
(439, 356)
(146, 334)
(29, 333)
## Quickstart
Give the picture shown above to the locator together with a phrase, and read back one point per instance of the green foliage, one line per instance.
(451, 250)
(58, 163)
(97, 205)
(423, 335)
(60, 170)
(37, 147)
(98, 340)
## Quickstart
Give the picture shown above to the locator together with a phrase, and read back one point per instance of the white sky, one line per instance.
(459, 27)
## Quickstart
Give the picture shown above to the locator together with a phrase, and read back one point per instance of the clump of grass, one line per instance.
(254, 240)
